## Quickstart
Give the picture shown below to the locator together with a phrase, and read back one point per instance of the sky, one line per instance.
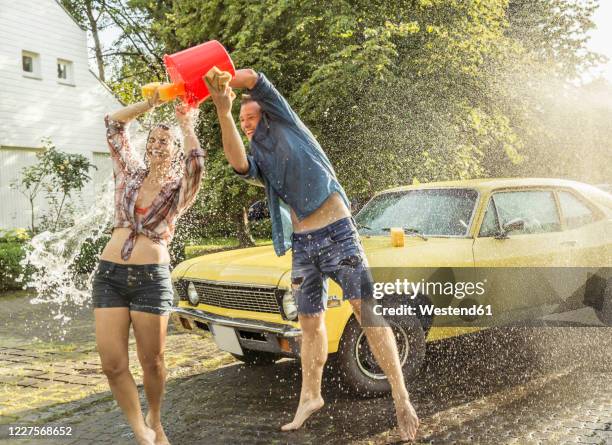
(600, 40)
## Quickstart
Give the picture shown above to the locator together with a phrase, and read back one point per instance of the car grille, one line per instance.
(232, 296)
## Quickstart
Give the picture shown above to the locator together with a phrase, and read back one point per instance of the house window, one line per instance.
(64, 71)
(30, 64)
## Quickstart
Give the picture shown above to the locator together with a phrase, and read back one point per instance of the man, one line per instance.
(300, 182)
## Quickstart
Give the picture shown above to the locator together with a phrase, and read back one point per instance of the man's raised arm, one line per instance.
(245, 78)
(232, 142)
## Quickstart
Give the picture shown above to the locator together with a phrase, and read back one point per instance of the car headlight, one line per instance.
(176, 293)
(192, 294)
(289, 306)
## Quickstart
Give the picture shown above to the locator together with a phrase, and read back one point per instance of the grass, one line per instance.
(15, 294)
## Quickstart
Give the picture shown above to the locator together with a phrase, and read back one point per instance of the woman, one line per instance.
(132, 283)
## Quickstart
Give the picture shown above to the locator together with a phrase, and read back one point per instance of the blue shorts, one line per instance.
(143, 288)
(333, 251)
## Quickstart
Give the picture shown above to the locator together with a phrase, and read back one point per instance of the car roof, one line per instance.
(488, 184)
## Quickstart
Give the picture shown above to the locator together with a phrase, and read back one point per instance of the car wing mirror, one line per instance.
(258, 211)
(514, 225)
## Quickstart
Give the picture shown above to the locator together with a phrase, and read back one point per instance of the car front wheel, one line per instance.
(358, 367)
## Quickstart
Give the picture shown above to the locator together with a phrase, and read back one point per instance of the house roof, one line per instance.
(104, 84)
(70, 15)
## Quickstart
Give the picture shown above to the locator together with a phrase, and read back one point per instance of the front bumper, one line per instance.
(252, 334)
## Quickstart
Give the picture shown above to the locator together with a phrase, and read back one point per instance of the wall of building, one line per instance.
(41, 105)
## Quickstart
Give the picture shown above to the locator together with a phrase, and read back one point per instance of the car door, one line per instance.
(587, 230)
(511, 262)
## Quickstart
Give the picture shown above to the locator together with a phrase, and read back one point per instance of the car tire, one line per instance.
(257, 358)
(358, 369)
(604, 313)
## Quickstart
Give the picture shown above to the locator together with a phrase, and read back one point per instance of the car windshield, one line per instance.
(430, 212)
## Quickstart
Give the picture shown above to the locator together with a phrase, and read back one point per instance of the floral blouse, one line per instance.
(176, 196)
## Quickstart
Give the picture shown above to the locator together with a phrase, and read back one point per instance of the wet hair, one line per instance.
(155, 127)
(245, 99)
(177, 157)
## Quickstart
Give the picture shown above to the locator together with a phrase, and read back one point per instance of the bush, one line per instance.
(261, 228)
(14, 236)
(10, 269)
(87, 259)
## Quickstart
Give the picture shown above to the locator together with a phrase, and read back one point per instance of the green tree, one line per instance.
(427, 89)
(57, 173)
(30, 184)
(539, 91)
(91, 15)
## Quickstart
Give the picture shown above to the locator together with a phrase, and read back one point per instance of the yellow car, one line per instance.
(243, 296)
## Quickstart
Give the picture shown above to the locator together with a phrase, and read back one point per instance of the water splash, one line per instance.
(52, 255)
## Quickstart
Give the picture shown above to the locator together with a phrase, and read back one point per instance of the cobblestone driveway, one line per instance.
(529, 386)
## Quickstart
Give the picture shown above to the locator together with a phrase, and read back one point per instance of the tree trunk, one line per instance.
(243, 232)
(59, 213)
(97, 45)
(32, 215)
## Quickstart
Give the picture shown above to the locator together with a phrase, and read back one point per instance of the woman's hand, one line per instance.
(128, 113)
(155, 101)
(185, 115)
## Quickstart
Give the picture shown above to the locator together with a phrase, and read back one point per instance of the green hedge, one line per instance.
(12, 252)
(87, 259)
(14, 236)
(10, 269)
(261, 229)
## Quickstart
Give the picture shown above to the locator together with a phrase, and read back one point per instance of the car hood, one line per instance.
(257, 265)
(260, 265)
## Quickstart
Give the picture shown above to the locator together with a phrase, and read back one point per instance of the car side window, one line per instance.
(490, 225)
(575, 213)
(536, 208)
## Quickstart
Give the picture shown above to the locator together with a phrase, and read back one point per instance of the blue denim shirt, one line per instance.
(288, 161)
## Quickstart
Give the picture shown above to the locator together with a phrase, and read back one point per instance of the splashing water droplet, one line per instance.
(51, 255)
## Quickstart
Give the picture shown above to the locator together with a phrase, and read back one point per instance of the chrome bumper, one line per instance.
(279, 330)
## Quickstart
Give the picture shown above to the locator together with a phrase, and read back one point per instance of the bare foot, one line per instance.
(304, 411)
(146, 437)
(160, 435)
(407, 420)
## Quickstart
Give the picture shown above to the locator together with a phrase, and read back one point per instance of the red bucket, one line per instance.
(190, 65)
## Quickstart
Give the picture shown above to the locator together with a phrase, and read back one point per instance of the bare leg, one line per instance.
(112, 332)
(313, 358)
(383, 346)
(150, 333)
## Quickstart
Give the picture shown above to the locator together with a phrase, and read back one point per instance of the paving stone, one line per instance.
(470, 392)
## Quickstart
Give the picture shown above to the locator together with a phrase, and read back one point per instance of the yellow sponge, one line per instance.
(219, 79)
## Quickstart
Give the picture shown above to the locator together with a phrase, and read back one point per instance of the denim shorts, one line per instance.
(335, 252)
(143, 288)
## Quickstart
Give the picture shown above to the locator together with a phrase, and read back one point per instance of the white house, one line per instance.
(46, 91)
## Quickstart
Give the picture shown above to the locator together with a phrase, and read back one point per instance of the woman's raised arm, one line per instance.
(129, 113)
